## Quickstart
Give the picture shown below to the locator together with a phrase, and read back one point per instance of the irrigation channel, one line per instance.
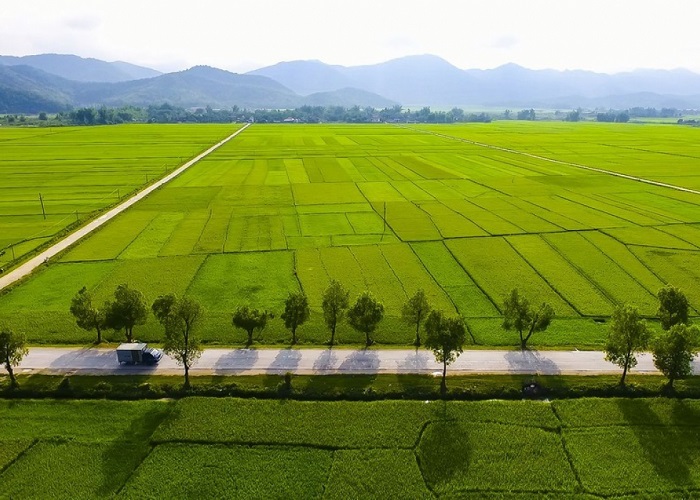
(29, 266)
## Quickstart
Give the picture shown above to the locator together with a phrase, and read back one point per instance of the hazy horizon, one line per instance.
(601, 36)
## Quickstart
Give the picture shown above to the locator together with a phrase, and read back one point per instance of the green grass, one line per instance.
(215, 471)
(251, 448)
(378, 207)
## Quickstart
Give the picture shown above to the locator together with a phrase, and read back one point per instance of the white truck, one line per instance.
(138, 353)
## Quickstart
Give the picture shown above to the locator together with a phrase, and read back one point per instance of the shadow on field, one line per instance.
(235, 362)
(444, 452)
(530, 362)
(671, 448)
(125, 454)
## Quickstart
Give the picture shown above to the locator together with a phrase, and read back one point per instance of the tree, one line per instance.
(180, 317)
(446, 338)
(519, 315)
(673, 307)
(296, 312)
(365, 314)
(128, 309)
(12, 349)
(628, 334)
(415, 311)
(249, 319)
(335, 301)
(86, 315)
(674, 350)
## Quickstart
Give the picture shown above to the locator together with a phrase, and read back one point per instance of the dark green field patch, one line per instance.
(214, 471)
(368, 473)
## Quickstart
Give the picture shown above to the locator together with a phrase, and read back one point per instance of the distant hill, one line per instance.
(431, 81)
(28, 90)
(81, 69)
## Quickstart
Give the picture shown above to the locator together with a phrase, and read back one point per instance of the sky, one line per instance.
(605, 36)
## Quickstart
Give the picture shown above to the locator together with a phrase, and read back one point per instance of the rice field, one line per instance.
(393, 209)
(225, 447)
(78, 171)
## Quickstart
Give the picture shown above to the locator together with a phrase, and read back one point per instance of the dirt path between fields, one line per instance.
(559, 162)
(29, 266)
(103, 361)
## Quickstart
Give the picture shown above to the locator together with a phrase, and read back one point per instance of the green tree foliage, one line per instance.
(128, 309)
(87, 316)
(673, 307)
(365, 314)
(248, 319)
(415, 310)
(446, 338)
(296, 312)
(674, 350)
(336, 300)
(628, 335)
(180, 317)
(526, 320)
(12, 349)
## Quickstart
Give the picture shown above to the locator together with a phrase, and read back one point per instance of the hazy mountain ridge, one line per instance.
(430, 80)
(422, 80)
(28, 90)
(82, 69)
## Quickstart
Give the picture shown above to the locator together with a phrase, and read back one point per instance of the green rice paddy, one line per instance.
(394, 209)
(79, 171)
(216, 448)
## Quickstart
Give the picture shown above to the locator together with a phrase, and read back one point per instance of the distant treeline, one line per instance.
(168, 113)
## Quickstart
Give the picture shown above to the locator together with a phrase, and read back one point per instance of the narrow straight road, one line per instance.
(93, 361)
(29, 266)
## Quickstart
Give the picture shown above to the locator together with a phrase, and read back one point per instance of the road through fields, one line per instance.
(101, 361)
(29, 266)
(559, 162)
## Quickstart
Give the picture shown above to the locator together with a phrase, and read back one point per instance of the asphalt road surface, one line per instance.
(100, 361)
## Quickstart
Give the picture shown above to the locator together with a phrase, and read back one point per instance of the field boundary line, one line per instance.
(559, 162)
(29, 266)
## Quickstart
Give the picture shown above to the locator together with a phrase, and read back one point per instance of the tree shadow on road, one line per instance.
(236, 361)
(530, 362)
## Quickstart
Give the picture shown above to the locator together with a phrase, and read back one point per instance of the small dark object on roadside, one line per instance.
(532, 390)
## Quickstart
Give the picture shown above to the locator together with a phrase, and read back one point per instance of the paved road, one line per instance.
(324, 361)
(29, 266)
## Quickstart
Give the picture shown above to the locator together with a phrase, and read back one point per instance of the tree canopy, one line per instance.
(446, 337)
(365, 314)
(520, 316)
(87, 316)
(415, 310)
(296, 312)
(336, 300)
(628, 335)
(13, 349)
(673, 307)
(128, 309)
(674, 351)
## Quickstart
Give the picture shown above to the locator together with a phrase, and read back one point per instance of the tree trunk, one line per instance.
(522, 341)
(443, 383)
(624, 373)
(250, 338)
(417, 342)
(294, 335)
(332, 335)
(187, 376)
(11, 373)
(368, 341)
(129, 334)
(99, 334)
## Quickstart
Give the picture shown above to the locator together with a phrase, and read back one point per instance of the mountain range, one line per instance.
(54, 82)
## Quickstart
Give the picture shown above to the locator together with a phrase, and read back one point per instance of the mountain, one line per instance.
(348, 97)
(24, 89)
(307, 77)
(81, 69)
(432, 81)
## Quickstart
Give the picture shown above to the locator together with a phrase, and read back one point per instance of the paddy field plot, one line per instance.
(81, 170)
(394, 209)
(582, 448)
